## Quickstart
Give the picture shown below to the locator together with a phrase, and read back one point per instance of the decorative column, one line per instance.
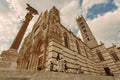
(28, 18)
(10, 56)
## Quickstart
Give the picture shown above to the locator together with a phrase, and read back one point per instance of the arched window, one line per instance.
(100, 55)
(66, 40)
(114, 55)
(78, 48)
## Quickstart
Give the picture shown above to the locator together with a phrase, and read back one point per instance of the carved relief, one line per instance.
(44, 26)
(55, 33)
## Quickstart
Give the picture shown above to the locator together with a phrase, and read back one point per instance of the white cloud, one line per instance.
(117, 2)
(89, 3)
(10, 20)
(106, 27)
(119, 34)
(3, 47)
(7, 29)
(69, 13)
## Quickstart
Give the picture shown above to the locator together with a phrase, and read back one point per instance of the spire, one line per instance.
(45, 15)
(54, 13)
(113, 45)
(39, 18)
(55, 9)
(86, 33)
(101, 42)
(46, 12)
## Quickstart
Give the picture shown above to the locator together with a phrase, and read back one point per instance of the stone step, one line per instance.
(16, 74)
(46, 75)
(68, 76)
(14, 78)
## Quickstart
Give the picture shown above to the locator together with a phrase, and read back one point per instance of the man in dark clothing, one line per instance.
(51, 66)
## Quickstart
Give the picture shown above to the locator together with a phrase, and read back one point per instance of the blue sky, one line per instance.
(101, 9)
(102, 17)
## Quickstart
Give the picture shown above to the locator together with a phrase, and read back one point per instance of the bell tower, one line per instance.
(86, 33)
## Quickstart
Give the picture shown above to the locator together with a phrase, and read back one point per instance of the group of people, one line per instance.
(78, 70)
(62, 65)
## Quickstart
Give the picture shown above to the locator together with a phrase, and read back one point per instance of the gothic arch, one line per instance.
(78, 47)
(98, 52)
(55, 29)
(114, 55)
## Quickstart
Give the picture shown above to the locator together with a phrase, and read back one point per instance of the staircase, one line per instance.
(68, 76)
(16, 74)
(46, 75)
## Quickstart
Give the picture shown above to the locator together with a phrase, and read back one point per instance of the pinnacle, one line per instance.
(54, 9)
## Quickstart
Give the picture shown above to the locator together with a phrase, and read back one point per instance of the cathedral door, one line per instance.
(40, 63)
(107, 71)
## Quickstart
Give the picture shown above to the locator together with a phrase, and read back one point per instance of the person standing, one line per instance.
(79, 70)
(58, 57)
(58, 65)
(65, 66)
(51, 66)
(62, 65)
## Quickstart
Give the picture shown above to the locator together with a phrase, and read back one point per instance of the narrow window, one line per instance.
(88, 39)
(83, 27)
(114, 55)
(100, 55)
(86, 35)
(84, 30)
(81, 23)
(77, 44)
(66, 40)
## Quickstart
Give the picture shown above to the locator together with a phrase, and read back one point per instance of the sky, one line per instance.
(102, 16)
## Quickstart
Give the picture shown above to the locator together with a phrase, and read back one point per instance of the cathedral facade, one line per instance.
(49, 38)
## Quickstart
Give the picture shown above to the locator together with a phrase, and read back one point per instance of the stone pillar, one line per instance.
(28, 18)
(10, 56)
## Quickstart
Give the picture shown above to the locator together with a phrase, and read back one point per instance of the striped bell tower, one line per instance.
(86, 33)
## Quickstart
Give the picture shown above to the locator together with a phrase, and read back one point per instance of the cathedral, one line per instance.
(49, 39)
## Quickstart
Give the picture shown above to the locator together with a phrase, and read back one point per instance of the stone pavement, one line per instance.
(46, 75)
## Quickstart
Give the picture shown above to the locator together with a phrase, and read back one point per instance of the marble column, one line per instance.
(28, 18)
